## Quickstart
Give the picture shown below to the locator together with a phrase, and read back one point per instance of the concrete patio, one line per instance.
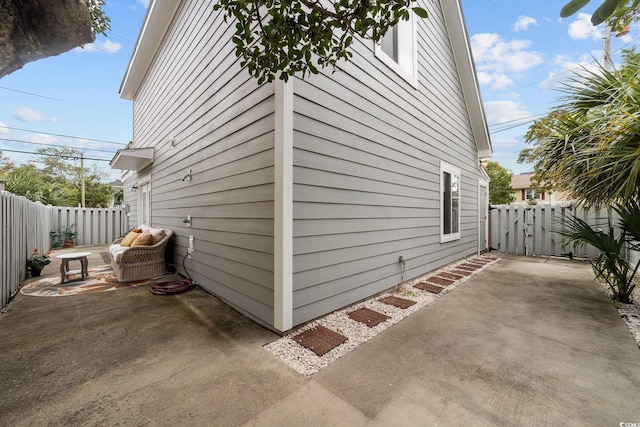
(529, 341)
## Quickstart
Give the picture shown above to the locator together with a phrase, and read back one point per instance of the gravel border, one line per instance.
(308, 363)
(630, 313)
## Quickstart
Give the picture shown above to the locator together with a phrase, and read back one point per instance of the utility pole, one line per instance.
(82, 179)
(606, 55)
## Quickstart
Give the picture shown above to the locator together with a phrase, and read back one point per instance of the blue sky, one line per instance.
(522, 49)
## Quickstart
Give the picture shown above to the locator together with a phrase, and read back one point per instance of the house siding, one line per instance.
(222, 124)
(367, 151)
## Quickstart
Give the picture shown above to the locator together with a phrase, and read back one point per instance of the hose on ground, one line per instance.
(170, 287)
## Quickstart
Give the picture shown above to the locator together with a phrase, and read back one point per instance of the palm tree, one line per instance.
(611, 265)
(589, 147)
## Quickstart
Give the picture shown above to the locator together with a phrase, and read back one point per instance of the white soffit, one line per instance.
(132, 159)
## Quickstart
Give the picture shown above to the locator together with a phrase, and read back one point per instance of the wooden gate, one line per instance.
(536, 230)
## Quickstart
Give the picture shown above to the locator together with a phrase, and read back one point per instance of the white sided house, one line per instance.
(301, 197)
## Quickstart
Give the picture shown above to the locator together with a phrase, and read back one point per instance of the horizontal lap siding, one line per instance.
(367, 151)
(223, 126)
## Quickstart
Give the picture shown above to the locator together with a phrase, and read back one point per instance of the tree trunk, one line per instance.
(35, 29)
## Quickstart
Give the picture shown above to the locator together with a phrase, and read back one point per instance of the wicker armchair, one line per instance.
(139, 262)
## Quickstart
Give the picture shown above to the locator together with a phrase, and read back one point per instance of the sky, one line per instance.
(522, 49)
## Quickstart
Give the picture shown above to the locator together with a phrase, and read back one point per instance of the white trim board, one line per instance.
(283, 206)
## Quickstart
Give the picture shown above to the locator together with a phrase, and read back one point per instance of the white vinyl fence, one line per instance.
(534, 230)
(25, 225)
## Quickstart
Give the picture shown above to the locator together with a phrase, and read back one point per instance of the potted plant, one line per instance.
(36, 262)
(69, 236)
(64, 238)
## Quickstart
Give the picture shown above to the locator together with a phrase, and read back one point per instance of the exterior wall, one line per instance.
(366, 177)
(555, 197)
(222, 126)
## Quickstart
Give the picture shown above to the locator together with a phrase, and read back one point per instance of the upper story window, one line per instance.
(531, 193)
(398, 49)
(449, 202)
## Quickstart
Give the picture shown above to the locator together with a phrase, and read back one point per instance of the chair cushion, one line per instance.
(129, 238)
(116, 251)
(144, 239)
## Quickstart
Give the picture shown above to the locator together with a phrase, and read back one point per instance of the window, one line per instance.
(144, 200)
(398, 50)
(449, 202)
(530, 193)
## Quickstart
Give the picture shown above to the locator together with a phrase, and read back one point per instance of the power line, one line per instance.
(53, 155)
(63, 136)
(518, 120)
(53, 145)
(61, 100)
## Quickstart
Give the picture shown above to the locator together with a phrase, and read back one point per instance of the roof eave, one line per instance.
(156, 23)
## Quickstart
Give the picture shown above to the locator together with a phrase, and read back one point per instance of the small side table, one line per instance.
(64, 266)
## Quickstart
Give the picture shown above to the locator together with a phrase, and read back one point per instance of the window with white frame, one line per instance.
(449, 202)
(398, 49)
(531, 193)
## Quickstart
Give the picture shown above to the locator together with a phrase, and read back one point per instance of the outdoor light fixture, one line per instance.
(134, 188)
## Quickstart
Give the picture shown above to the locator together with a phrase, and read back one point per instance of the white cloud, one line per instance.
(145, 3)
(508, 144)
(3, 129)
(494, 54)
(568, 69)
(496, 58)
(498, 112)
(27, 114)
(524, 22)
(106, 46)
(582, 29)
(495, 81)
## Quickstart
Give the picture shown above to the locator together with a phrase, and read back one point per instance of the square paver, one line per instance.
(319, 339)
(397, 302)
(369, 317)
(462, 272)
(440, 281)
(450, 276)
(429, 287)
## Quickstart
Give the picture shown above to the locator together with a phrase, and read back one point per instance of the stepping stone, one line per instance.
(450, 276)
(367, 316)
(319, 339)
(440, 281)
(466, 267)
(473, 265)
(429, 287)
(397, 302)
(462, 272)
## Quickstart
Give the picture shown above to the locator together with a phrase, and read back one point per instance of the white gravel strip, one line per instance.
(630, 313)
(308, 363)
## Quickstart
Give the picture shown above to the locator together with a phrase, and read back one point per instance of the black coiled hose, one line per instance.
(170, 287)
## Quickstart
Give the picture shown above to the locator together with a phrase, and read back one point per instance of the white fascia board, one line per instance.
(156, 23)
(454, 20)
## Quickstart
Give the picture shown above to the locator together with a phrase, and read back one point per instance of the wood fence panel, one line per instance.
(537, 230)
(25, 226)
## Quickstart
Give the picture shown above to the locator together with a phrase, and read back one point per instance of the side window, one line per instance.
(449, 202)
(398, 50)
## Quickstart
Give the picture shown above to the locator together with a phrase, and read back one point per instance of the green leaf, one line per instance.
(572, 7)
(421, 12)
(605, 10)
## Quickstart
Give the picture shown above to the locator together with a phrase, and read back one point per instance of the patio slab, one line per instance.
(530, 341)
